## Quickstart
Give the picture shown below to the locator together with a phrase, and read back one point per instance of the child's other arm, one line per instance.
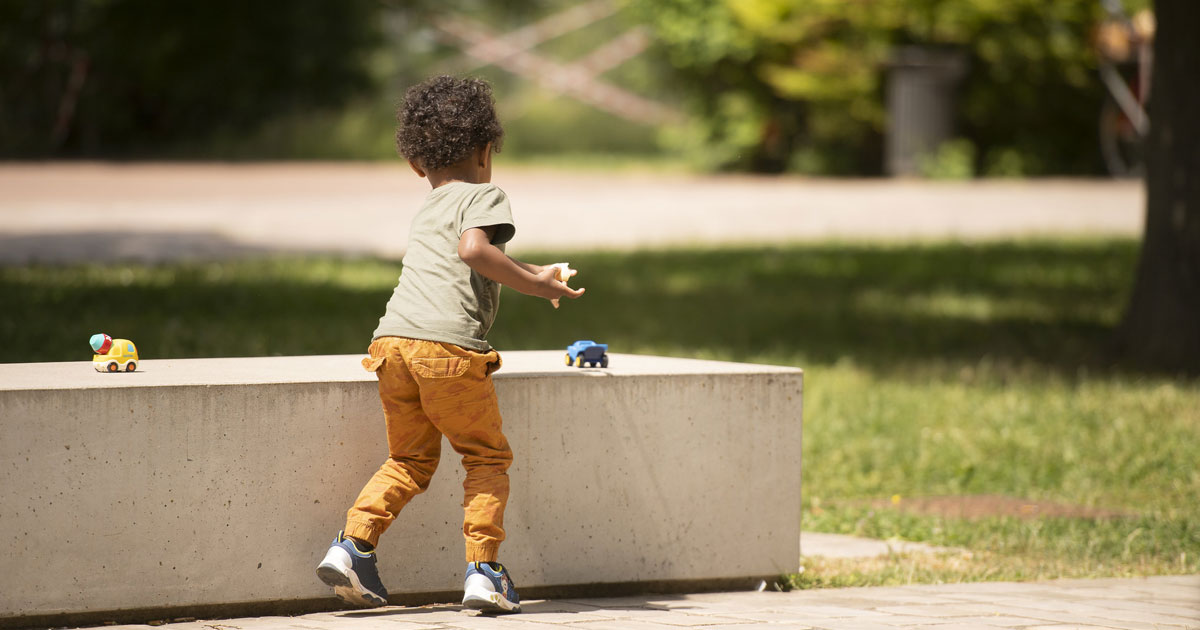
(475, 248)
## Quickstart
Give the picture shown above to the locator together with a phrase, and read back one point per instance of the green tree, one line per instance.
(799, 83)
(114, 78)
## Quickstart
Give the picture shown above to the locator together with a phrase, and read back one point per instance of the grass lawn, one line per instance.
(931, 369)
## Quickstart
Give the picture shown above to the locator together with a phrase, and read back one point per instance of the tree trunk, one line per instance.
(1162, 324)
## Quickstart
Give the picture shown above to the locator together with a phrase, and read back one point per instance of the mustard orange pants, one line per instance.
(430, 389)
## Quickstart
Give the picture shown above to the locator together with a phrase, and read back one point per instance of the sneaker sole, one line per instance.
(490, 602)
(347, 587)
(332, 576)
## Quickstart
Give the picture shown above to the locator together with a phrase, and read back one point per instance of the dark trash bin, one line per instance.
(921, 100)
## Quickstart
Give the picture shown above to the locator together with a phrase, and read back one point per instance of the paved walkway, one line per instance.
(1126, 604)
(82, 211)
(823, 545)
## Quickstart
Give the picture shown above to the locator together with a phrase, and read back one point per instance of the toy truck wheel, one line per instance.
(568, 359)
(131, 366)
(112, 366)
(604, 361)
(579, 361)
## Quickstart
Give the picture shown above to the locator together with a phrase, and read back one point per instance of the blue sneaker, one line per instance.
(352, 574)
(488, 588)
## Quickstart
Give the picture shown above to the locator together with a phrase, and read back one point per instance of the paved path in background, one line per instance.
(82, 211)
(1167, 603)
(820, 544)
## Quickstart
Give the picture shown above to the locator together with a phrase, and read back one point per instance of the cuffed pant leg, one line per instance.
(414, 447)
(466, 411)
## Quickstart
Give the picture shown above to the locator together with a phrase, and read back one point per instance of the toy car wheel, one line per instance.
(604, 361)
(579, 361)
(568, 359)
(112, 367)
(131, 366)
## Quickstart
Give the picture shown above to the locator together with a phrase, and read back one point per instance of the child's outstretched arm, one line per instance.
(475, 248)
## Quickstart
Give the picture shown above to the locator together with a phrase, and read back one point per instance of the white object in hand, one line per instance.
(562, 273)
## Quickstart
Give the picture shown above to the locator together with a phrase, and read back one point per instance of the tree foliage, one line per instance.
(799, 83)
(129, 77)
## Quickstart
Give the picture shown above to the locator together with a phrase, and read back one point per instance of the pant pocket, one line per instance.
(373, 363)
(440, 367)
(493, 362)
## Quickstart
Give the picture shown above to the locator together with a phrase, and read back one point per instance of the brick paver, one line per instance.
(1156, 603)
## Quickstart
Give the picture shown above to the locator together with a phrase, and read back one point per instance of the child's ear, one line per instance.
(485, 155)
(416, 169)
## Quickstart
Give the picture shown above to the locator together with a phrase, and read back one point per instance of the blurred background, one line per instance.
(971, 88)
(937, 208)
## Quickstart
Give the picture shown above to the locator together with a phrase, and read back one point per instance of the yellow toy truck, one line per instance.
(113, 355)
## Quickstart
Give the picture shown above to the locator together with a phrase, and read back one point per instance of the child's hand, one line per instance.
(554, 279)
(563, 273)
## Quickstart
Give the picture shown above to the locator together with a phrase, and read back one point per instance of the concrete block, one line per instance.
(221, 481)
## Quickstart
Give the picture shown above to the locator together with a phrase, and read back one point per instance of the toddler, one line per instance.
(430, 351)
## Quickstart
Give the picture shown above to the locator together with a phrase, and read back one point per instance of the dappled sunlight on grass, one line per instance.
(890, 308)
(973, 307)
(242, 308)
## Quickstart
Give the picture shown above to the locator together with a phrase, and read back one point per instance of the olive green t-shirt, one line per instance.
(439, 297)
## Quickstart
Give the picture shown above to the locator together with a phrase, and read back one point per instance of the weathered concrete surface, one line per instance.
(81, 211)
(193, 482)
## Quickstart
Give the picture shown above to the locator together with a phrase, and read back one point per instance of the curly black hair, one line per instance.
(443, 119)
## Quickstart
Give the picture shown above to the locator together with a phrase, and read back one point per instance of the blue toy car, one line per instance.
(589, 353)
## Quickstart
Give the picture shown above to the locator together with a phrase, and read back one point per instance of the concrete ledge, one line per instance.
(219, 482)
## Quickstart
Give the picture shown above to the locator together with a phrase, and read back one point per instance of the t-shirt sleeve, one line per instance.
(489, 207)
